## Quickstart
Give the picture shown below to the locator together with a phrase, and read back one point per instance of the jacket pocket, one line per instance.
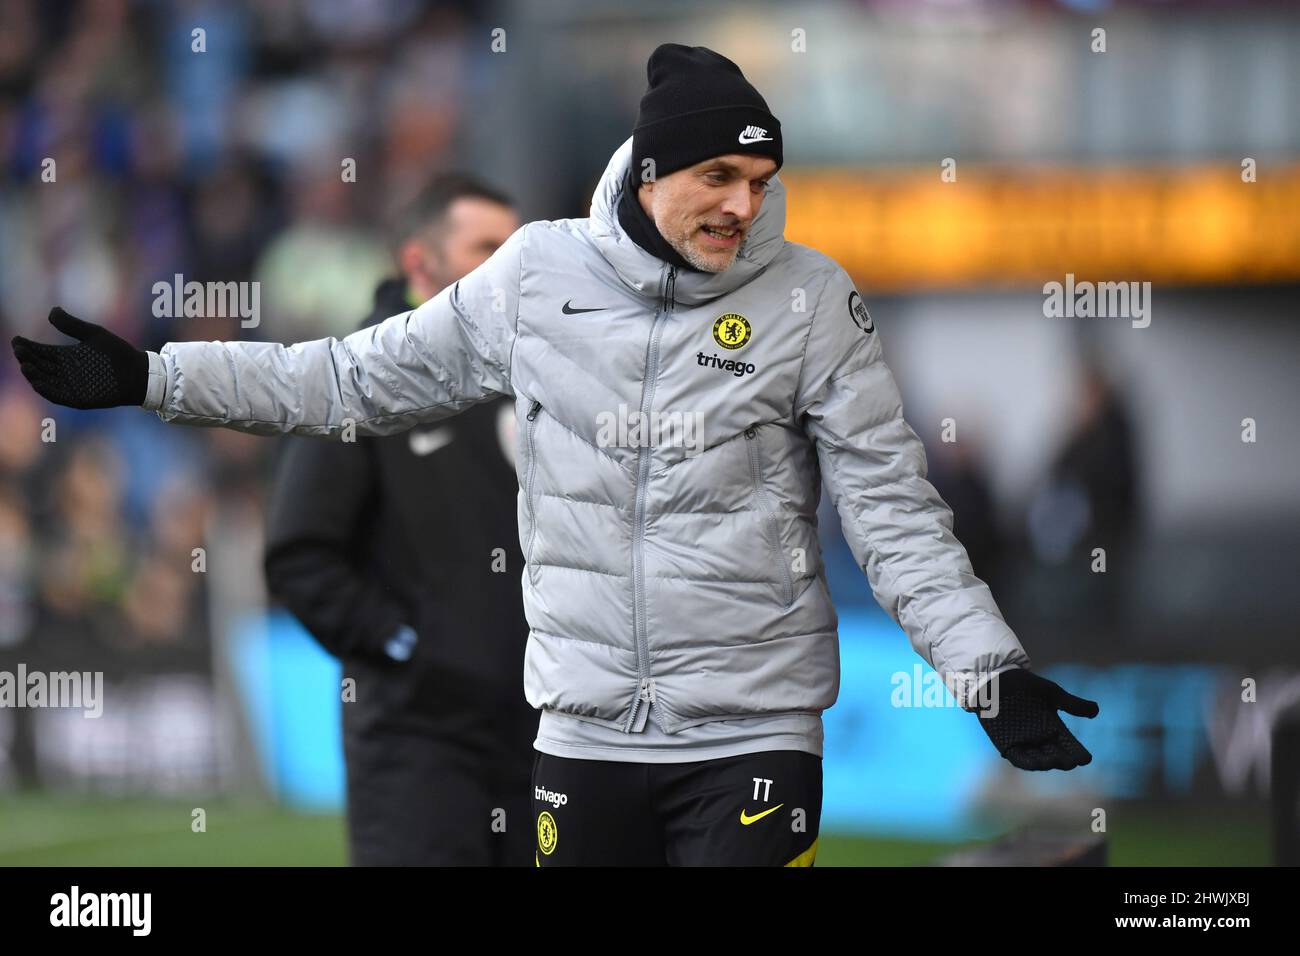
(770, 520)
(529, 443)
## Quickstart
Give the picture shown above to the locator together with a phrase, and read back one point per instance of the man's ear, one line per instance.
(421, 263)
(410, 256)
(643, 196)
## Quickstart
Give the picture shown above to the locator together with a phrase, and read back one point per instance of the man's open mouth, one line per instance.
(721, 235)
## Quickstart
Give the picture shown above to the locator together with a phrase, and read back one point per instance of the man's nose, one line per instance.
(737, 203)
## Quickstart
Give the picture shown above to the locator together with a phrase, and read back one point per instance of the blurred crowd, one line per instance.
(140, 141)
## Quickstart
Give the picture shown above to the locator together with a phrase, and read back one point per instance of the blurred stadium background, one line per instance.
(1122, 165)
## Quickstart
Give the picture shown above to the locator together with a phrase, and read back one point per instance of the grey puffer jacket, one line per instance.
(675, 563)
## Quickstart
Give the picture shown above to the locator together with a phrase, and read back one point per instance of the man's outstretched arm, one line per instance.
(430, 363)
(901, 534)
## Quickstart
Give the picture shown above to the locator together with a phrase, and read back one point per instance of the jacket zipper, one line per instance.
(645, 693)
(528, 489)
(756, 472)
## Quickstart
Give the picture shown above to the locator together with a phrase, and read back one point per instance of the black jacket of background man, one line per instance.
(368, 535)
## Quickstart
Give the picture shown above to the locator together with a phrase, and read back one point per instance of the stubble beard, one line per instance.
(699, 260)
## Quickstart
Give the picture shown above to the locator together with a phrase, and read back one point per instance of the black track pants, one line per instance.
(760, 809)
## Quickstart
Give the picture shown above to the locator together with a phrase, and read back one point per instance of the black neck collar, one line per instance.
(642, 230)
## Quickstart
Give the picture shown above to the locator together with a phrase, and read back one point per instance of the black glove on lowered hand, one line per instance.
(100, 371)
(1027, 730)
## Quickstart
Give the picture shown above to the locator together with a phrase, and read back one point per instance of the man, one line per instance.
(401, 556)
(682, 641)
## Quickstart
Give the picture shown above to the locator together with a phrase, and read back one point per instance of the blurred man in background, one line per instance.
(401, 556)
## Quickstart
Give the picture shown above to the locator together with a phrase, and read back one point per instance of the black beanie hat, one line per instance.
(699, 105)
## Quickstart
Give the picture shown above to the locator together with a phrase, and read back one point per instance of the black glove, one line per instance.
(1027, 730)
(101, 371)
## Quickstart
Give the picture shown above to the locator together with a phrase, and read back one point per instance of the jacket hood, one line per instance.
(644, 272)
